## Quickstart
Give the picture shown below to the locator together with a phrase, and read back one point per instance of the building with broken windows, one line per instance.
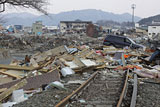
(153, 30)
(71, 27)
(37, 28)
(50, 29)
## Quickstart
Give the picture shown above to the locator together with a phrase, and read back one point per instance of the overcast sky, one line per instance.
(144, 8)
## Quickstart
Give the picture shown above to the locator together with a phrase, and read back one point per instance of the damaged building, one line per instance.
(153, 29)
(71, 27)
(37, 28)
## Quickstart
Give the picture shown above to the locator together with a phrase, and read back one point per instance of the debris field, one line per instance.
(77, 72)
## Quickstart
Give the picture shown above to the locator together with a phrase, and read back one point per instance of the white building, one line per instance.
(51, 29)
(37, 28)
(74, 26)
(153, 30)
(137, 25)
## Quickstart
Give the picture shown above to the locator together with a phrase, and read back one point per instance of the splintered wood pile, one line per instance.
(76, 63)
(49, 65)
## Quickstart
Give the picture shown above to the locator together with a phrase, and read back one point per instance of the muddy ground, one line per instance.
(148, 94)
(52, 96)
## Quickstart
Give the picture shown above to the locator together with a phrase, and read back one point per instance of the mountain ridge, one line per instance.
(148, 21)
(53, 19)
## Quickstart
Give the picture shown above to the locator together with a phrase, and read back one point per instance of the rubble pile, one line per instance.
(43, 43)
(57, 72)
(140, 38)
(11, 42)
(46, 67)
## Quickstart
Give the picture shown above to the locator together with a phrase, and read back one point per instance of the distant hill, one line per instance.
(147, 21)
(53, 19)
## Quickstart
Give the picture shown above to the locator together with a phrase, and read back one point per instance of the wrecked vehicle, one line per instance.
(120, 42)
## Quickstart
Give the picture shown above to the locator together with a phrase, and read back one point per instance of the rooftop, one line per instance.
(75, 21)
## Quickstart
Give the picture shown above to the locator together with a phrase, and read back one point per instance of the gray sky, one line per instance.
(144, 8)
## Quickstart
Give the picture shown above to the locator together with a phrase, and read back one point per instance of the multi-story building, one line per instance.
(37, 28)
(51, 29)
(153, 30)
(74, 26)
(18, 28)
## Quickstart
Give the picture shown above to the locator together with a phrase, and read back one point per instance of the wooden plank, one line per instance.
(33, 62)
(67, 57)
(83, 53)
(64, 61)
(13, 67)
(3, 70)
(89, 54)
(2, 90)
(9, 91)
(4, 80)
(138, 60)
(43, 70)
(11, 75)
(124, 90)
(49, 62)
(78, 62)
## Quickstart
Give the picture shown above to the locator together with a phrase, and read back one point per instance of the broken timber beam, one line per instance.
(2, 90)
(124, 90)
(11, 75)
(13, 67)
(9, 91)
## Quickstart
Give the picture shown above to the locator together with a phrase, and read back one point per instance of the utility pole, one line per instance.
(133, 7)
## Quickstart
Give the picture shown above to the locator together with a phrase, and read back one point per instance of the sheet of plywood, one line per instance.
(36, 81)
(88, 62)
(78, 62)
(33, 62)
(5, 80)
(72, 65)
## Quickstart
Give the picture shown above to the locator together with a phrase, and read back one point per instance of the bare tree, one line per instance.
(35, 4)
